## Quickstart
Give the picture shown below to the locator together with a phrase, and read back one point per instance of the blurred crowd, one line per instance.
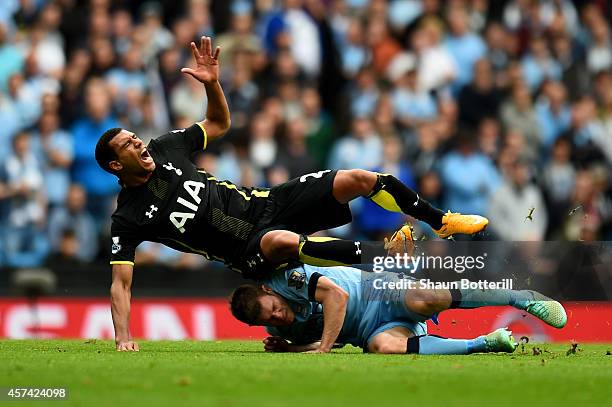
(498, 108)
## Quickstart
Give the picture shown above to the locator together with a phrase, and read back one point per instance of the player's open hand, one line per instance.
(275, 344)
(127, 346)
(207, 61)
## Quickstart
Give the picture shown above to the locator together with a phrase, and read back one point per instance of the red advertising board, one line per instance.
(204, 319)
(150, 318)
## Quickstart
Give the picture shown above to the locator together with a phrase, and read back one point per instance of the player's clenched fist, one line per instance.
(127, 346)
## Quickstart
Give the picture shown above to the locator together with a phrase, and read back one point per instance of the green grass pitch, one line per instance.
(232, 373)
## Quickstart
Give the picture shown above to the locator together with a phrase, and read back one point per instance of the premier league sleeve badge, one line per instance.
(296, 279)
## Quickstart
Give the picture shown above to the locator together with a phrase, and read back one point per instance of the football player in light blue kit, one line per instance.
(316, 307)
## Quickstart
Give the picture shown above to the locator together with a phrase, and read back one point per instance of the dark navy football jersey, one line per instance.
(184, 207)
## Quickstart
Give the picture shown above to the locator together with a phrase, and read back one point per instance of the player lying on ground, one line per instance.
(316, 307)
(165, 198)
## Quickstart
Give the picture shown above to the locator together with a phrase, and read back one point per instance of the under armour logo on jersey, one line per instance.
(358, 248)
(416, 203)
(150, 213)
(177, 131)
(170, 167)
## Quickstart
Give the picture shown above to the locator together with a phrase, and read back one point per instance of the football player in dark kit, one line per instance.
(166, 199)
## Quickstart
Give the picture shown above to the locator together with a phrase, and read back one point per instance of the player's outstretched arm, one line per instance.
(334, 300)
(121, 295)
(217, 120)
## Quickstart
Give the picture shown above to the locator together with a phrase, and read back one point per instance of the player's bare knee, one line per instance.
(363, 181)
(381, 345)
(280, 245)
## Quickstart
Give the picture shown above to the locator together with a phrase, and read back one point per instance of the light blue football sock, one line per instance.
(475, 298)
(435, 345)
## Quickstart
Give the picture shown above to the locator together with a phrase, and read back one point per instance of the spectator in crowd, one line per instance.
(45, 43)
(384, 119)
(590, 143)
(103, 56)
(122, 30)
(11, 59)
(465, 46)
(5, 194)
(558, 180)
(412, 106)
(294, 154)
(364, 93)
(518, 113)
(150, 124)
(101, 187)
(11, 124)
(382, 45)
(26, 101)
(437, 67)
(500, 49)
(517, 211)
(73, 218)
(292, 27)
(128, 80)
(25, 241)
(186, 100)
(480, 98)
(353, 49)
(54, 150)
(539, 65)
(263, 146)
(240, 37)
(424, 156)
(489, 137)
(468, 177)
(599, 54)
(604, 119)
(154, 36)
(242, 96)
(320, 131)
(573, 67)
(553, 111)
(591, 209)
(362, 148)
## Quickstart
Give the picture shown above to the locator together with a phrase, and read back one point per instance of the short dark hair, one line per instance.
(104, 152)
(245, 305)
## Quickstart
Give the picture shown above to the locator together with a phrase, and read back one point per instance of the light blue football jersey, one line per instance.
(366, 314)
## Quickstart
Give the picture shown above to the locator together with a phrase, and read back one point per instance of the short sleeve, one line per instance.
(124, 243)
(191, 139)
(297, 284)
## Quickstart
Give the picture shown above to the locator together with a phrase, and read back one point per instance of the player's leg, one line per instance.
(400, 339)
(280, 246)
(389, 193)
(430, 302)
(538, 305)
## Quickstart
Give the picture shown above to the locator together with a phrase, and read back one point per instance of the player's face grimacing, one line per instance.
(274, 311)
(132, 155)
